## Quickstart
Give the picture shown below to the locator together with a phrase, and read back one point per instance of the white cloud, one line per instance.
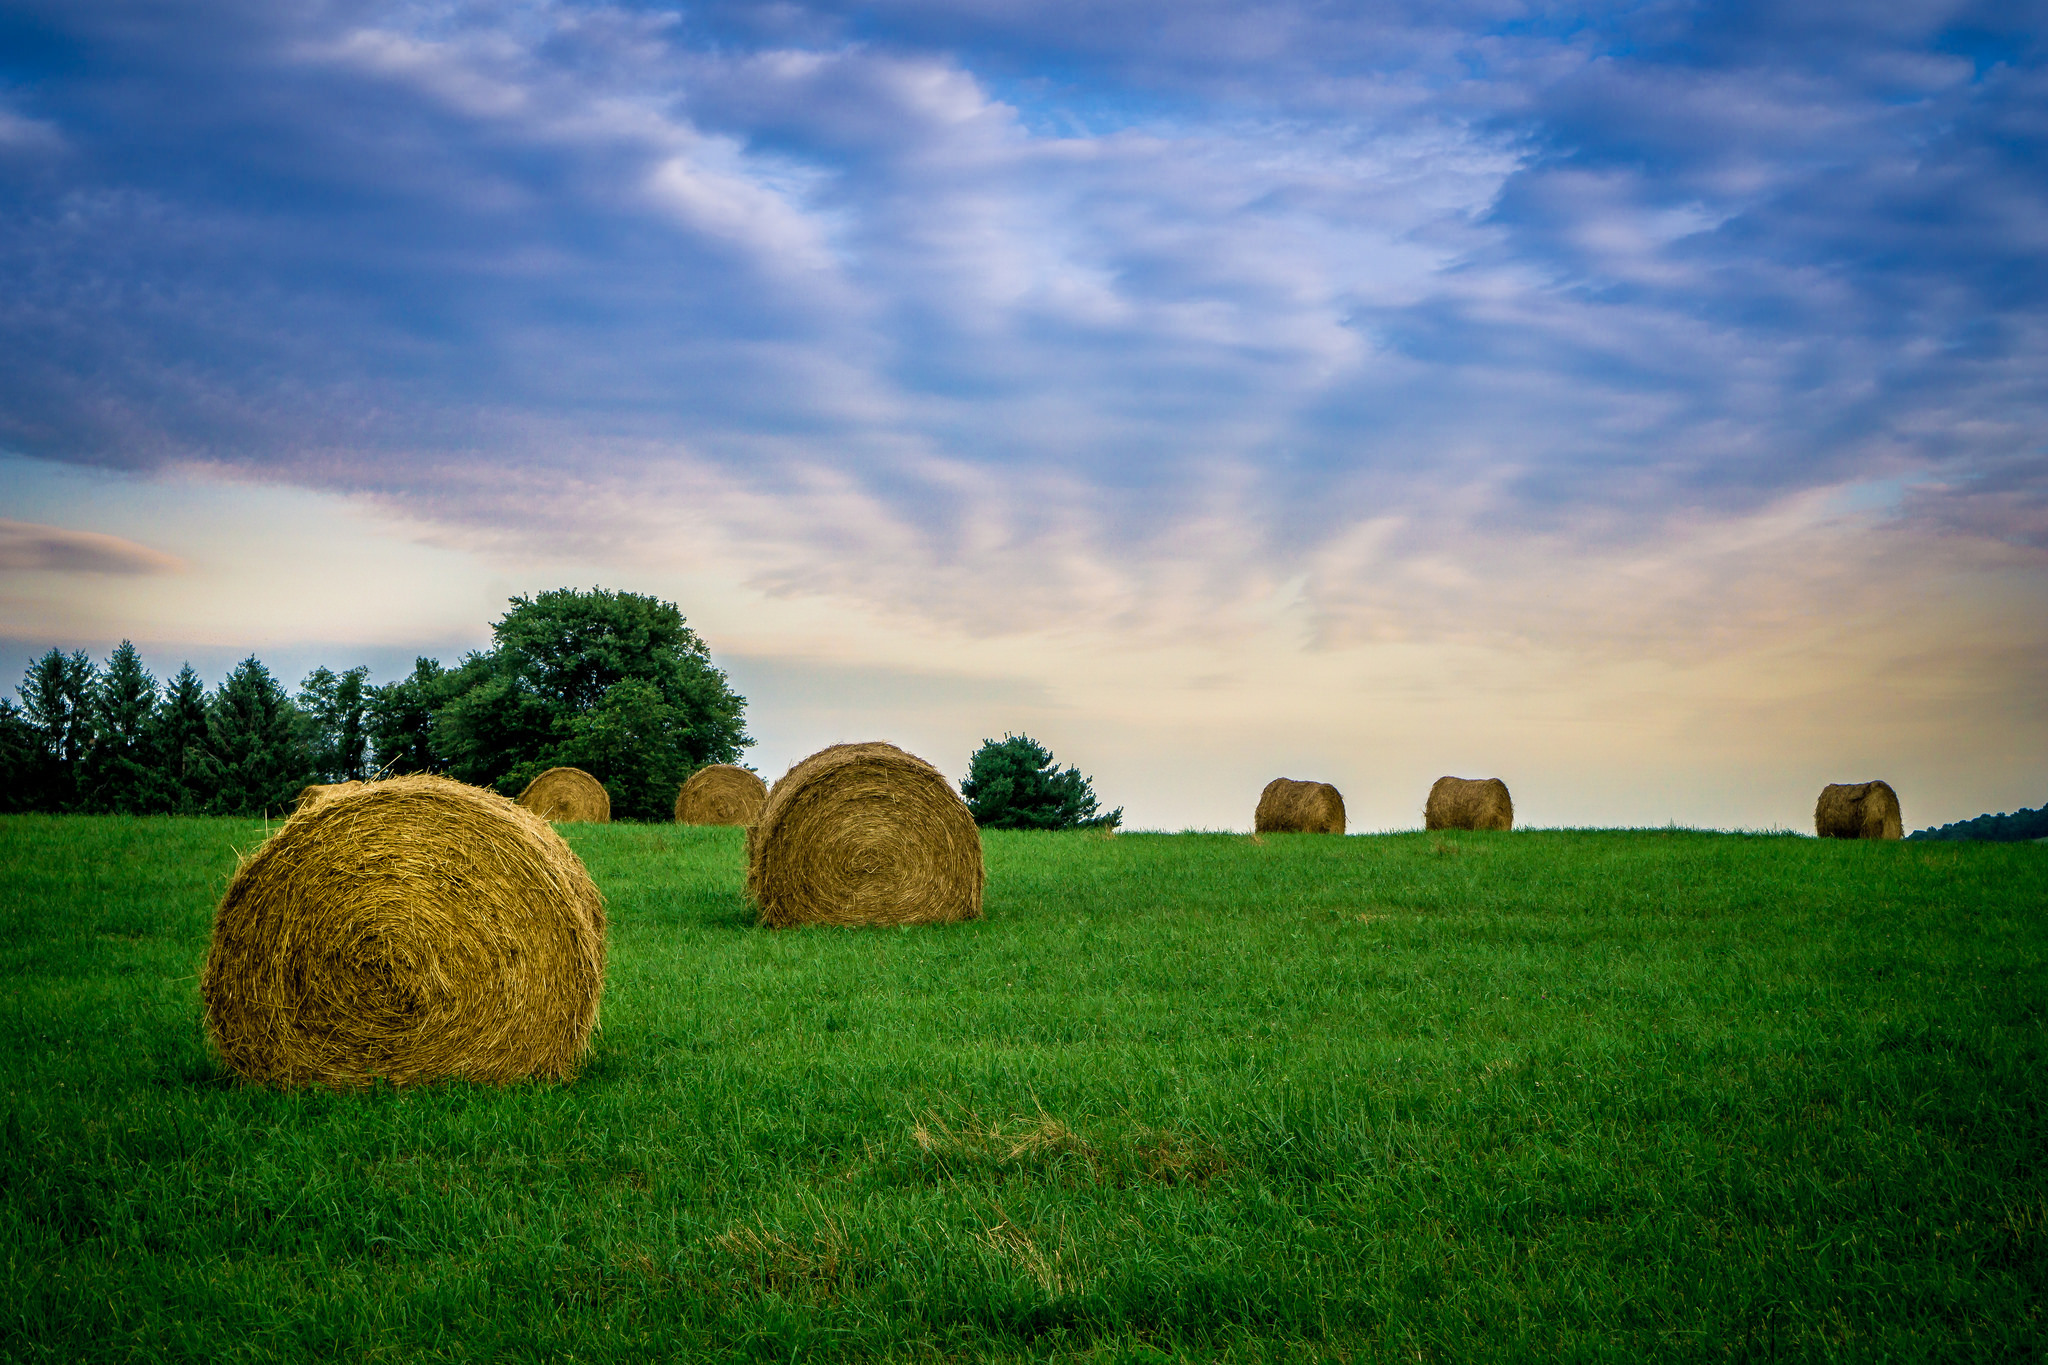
(448, 72)
(711, 189)
(19, 133)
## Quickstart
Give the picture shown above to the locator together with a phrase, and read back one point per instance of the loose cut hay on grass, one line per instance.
(1290, 807)
(314, 793)
(1858, 810)
(722, 794)
(568, 795)
(864, 834)
(413, 930)
(1469, 803)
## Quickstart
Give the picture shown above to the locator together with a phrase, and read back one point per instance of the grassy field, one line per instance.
(1557, 1094)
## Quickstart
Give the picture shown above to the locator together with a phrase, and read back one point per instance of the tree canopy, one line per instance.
(334, 712)
(1015, 783)
(615, 683)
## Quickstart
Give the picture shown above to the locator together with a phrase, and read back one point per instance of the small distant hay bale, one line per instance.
(864, 834)
(1858, 810)
(417, 930)
(722, 794)
(1290, 807)
(1469, 803)
(568, 796)
(315, 793)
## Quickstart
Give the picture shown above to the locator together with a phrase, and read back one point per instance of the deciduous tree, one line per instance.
(334, 711)
(615, 683)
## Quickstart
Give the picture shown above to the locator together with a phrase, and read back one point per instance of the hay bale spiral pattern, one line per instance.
(1858, 810)
(1469, 803)
(1290, 807)
(414, 929)
(864, 834)
(568, 795)
(722, 794)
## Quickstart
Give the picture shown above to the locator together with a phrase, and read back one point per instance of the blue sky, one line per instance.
(1644, 402)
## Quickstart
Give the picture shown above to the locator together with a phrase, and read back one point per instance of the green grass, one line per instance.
(1548, 1094)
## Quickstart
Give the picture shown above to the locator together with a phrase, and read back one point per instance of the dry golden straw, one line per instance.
(1858, 810)
(413, 929)
(864, 834)
(569, 796)
(1290, 807)
(1469, 803)
(721, 794)
(312, 795)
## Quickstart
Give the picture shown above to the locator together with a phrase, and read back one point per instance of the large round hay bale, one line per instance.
(1858, 810)
(568, 796)
(722, 794)
(314, 793)
(1469, 803)
(1290, 807)
(414, 929)
(864, 834)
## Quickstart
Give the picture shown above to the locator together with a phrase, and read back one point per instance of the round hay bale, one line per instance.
(864, 834)
(568, 796)
(722, 794)
(1858, 810)
(1290, 807)
(416, 929)
(1469, 803)
(313, 794)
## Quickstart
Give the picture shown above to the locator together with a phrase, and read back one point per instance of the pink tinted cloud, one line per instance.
(31, 545)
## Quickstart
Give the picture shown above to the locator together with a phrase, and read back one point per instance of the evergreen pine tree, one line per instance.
(175, 747)
(1014, 783)
(56, 697)
(119, 770)
(256, 758)
(21, 754)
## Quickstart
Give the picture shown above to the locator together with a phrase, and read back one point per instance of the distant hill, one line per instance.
(1996, 829)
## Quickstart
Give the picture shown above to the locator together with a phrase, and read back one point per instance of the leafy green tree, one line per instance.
(401, 718)
(1014, 783)
(638, 742)
(334, 709)
(57, 699)
(615, 683)
(256, 757)
(174, 741)
(493, 729)
(120, 770)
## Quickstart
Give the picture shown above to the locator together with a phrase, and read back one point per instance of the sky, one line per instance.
(1646, 404)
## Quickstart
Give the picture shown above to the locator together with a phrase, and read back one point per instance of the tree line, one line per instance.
(2002, 828)
(614, 683)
